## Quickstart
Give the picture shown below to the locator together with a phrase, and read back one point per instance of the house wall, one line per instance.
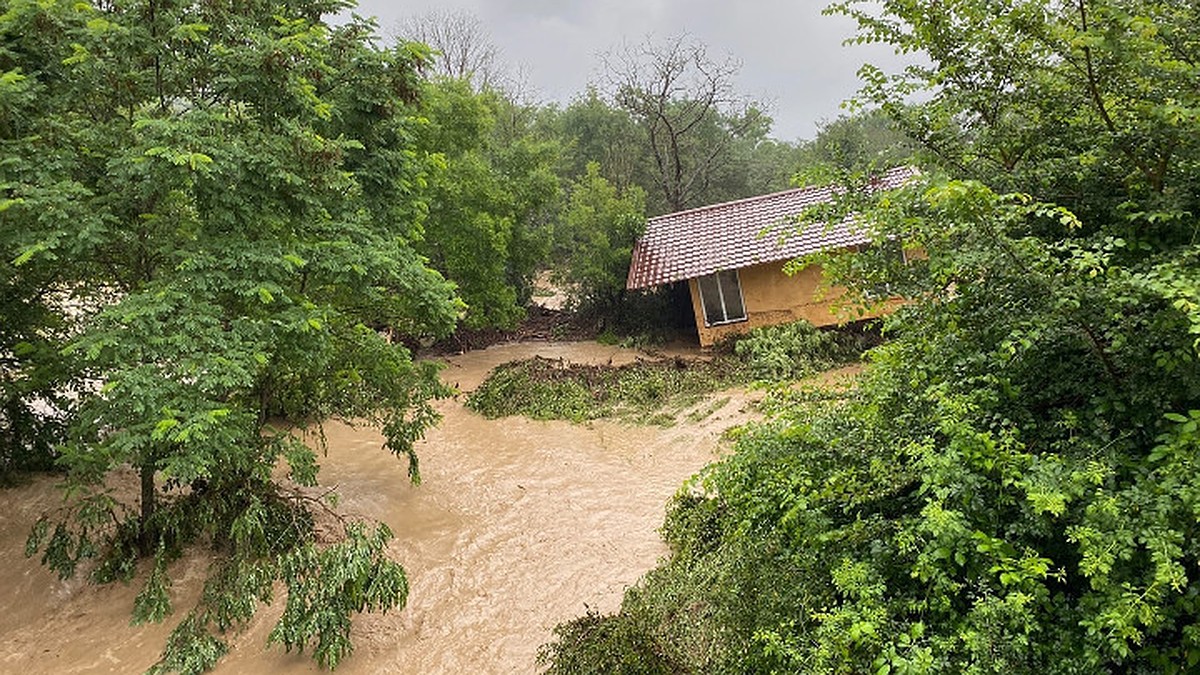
(772, 297)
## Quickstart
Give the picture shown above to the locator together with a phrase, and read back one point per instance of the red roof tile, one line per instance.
(696, 242)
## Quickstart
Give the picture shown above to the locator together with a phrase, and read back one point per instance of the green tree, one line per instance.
(488, 224)
(526, 160)
(771, 166)
(860, 141)
(596, 127)
(688, 114)
(595, 240)
(591, 130)
(217, 205)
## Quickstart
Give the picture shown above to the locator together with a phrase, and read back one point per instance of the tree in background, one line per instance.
(494, 194)
(1013, 487)
(687, 110)
(526, 159)
(463, 48)
(211, 213)
(592, 130)
(488, 226)
(868, 139)
(594, 240)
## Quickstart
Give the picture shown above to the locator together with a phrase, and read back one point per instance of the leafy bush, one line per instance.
(796, 350)
(603, 644)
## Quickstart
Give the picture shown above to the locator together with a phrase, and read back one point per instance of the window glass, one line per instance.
(721, 297)
(710, 297)
(731, 289)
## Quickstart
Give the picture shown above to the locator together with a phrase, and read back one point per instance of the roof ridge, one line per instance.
(885, 175)
(743, 200)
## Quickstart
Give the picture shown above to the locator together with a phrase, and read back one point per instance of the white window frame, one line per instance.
(721, 291)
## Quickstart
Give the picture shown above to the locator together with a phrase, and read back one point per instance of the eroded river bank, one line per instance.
(518, 525)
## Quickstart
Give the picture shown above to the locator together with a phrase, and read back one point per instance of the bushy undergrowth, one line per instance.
(614, 645)
(732, 573)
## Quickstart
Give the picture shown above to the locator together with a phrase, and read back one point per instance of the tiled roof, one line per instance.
(693, 243)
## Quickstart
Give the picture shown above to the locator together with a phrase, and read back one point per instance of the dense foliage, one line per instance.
(594, 240)
(1013, 487)
(207, 221)
(490, 200)
(792, 351)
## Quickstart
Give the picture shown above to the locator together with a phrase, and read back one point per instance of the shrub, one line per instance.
(796, 350)
(595, 643)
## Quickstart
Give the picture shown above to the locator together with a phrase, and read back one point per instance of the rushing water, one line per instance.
(518, 525)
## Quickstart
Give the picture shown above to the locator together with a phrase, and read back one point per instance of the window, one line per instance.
(721, 298)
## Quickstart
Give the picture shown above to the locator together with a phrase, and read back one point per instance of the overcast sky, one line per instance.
(792, 57)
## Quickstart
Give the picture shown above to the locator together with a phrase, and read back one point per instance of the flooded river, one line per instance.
(517, 526)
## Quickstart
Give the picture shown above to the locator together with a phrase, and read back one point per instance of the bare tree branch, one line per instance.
(464, 45)
(675, 92)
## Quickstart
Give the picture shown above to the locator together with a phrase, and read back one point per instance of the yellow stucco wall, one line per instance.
(772, 297)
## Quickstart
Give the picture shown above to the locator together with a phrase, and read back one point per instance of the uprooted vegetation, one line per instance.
(552, 389)
(654, 390)
(793, 351)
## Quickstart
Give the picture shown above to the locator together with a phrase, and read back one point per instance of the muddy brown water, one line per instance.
(517, 526)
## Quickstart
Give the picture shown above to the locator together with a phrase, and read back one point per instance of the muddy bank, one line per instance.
(518, 525)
